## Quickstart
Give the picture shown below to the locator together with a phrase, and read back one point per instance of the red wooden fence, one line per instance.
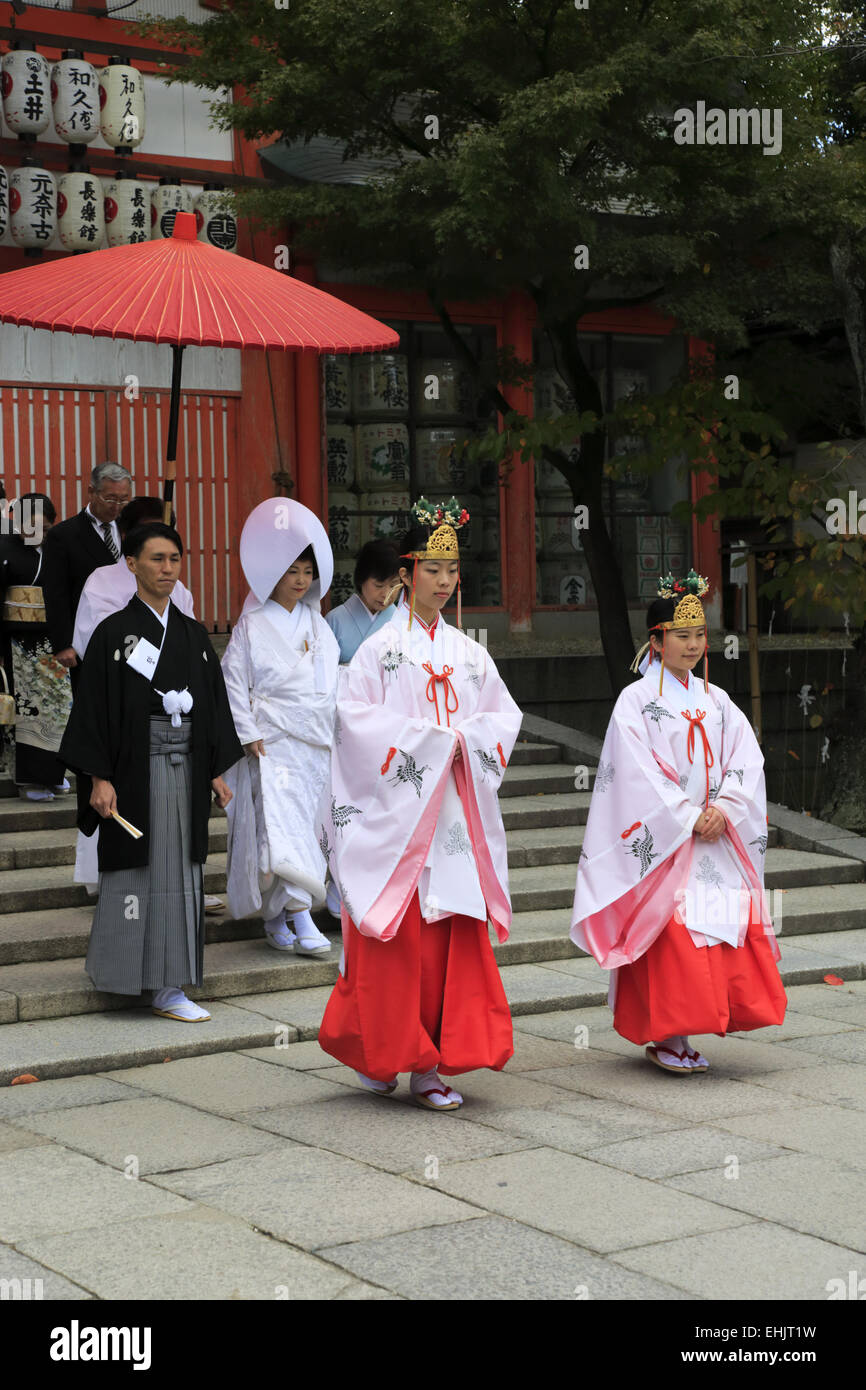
(51, 437)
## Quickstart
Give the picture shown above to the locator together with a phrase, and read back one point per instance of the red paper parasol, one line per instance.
(181, 291)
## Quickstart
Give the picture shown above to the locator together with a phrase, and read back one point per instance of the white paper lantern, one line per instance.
(80, 212)
(215, 223)
(166, 201)
(75, 98)
(127, 210)
(33, 207)
(4, 201)
(26, 84)
(121, 102)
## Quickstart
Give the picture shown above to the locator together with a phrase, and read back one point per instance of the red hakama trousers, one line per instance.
(677, 987)
(429, 997)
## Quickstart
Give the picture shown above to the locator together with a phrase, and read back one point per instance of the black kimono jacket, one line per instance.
(108, 734)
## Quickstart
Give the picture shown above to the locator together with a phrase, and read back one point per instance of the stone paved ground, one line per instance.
(579, 1172)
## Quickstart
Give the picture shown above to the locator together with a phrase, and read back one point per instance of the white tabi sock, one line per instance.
(279, 928)
(307, 931)
(423, 1081)
(375, 1085)
(175, 1000)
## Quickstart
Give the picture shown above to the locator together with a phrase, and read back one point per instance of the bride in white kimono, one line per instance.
(280, 670)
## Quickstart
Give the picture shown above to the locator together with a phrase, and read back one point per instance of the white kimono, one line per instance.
(640, 860)
(280, 671)
(396, 821)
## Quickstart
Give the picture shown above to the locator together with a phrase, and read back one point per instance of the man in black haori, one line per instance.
(150, 735)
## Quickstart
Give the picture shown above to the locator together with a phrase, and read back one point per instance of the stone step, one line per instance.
(525, 752)
(53, 988)
(129, 1037)
(539, 891)
(543, 863)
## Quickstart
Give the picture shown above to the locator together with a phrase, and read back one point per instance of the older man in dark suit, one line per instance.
(73, 549)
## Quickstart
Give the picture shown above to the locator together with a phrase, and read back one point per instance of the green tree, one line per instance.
(556, 131)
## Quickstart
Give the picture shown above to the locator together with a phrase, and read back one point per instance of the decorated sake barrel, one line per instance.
(380, 384)
(384, 515)
(629, 381)
(557, 515)
(166, 201)
(470, 537)
(470, 584)
(564, 582)
(32, 207)
(121, 101)
(216, 223)
(75, 98)
(491, 533)
(341, 455)
(443, 390)
(4, 201)
(552, 396)
(343, 583)
(539, 535)
(343, 523)
(127, 210)
(80, 212)
(491, 585)
(548, 478)
(382, 455)
(440, 461)
(338, 384)
(25, 79)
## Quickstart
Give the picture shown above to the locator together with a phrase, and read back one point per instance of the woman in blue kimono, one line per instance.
(368, 609)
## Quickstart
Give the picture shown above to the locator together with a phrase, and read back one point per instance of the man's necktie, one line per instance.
(109, 539)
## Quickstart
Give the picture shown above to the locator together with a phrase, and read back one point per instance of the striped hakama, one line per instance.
(148, 927)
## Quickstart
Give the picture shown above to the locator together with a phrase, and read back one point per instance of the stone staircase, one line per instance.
(57, 1024)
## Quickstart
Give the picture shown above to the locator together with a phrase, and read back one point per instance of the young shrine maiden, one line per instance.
(414, 837)
(669, 893)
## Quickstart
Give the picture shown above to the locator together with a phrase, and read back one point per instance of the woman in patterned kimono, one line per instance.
(669, 893)
(43, 694)
(414, 838)
(280, 670)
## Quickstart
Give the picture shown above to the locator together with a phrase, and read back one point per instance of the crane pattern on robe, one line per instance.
(392, 659)
(325, 845)
(656, 711)
(409, 773)
(604, 776)
(643, 851)
(342, 815)
(761, 843)
(458, 841)
(489, 763)
(708, 873)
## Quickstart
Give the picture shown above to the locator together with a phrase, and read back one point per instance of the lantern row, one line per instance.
(86, 212)
(84, 102)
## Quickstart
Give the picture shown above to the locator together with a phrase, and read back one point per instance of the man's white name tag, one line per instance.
(144, 659)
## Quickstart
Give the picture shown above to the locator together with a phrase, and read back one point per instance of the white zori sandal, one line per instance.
(173, 1003)
(429, 1090)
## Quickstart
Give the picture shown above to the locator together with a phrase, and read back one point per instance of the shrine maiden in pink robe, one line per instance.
(403, 816)
(665, 757)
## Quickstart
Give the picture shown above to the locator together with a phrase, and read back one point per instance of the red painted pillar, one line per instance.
(706, 536)
(312, 487)
(518, 494)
